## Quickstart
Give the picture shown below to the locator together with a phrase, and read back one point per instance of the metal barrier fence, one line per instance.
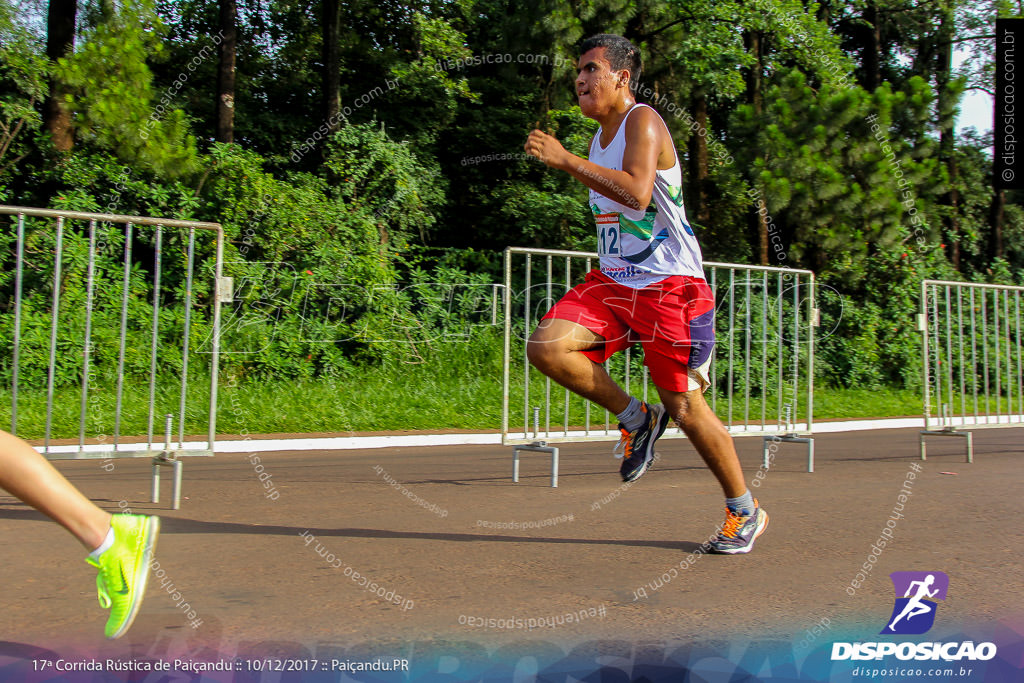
(762, 376)
(73, 275)
(971, 359)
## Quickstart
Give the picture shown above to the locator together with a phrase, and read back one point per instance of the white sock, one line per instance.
(107, 542)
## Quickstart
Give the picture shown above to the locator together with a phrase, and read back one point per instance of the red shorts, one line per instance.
(673, 319)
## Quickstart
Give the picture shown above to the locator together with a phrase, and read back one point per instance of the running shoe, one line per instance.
(740, 531)
(124, 569)
(636, 448)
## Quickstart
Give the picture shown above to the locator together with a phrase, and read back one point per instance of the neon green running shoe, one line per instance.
(124, 569)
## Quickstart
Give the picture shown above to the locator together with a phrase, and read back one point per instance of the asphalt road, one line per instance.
(461, 553)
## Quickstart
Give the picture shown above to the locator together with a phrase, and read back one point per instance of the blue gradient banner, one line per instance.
(536, 659)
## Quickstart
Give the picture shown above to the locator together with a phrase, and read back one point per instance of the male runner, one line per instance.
(121, 545)
(650, 286)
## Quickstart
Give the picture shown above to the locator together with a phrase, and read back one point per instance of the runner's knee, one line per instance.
(542, 352)
(689, 410)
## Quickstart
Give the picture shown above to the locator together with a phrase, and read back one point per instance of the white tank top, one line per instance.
(639, 248)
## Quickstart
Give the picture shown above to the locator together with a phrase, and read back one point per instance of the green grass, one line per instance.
(457, 386)
(402, 396)
(102, 402)
(459, 390)
(863, 403)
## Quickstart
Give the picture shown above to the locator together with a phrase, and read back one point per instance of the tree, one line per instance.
(331, 77)
(60, 41)
(226, 71)
(753, 42)
(949, 90)
(976, 35)
(24, 75)
(780, 35)
(832, 182)
(110, 92)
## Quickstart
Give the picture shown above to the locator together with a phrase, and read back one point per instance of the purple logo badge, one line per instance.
(916, 593)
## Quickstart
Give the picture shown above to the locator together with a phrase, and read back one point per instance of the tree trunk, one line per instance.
(331, 82)
(698, 162)
(226, 71)
(824, 14)
(947, 135)
(872, 48)
(953, 222)
(60, 41)
(753, 41)
(997, 219)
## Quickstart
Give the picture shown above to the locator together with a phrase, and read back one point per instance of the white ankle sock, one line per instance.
(107, 542)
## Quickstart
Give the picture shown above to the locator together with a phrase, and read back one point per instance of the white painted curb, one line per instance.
(344, 443)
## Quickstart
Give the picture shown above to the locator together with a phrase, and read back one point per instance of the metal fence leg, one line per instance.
(536, 447)
(165, 459)
(178, 466)
(968, 437)
(155, 498)
(554, 467)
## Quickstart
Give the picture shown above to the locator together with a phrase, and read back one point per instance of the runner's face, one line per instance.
(597, 85)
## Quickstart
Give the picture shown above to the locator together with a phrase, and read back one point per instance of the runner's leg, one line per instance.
(556, 349)
(30, 477)
(708, 435)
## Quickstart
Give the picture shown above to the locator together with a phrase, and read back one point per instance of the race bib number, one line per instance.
(608, 234)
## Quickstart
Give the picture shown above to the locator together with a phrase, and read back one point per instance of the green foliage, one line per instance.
(537, 206)
(23, 74)
(833, 168)
(99, 181)
(432, 85)
(386, 181)
(113, 100)
(869, 336)
(376, 246)
(800, 38)
(106, 292)
(723, 239)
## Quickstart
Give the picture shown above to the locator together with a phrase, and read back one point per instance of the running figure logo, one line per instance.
(914, 612)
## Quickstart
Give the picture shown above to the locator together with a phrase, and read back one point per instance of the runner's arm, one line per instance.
(633, 185)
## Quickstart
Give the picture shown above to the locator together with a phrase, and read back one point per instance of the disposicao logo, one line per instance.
(913, 613)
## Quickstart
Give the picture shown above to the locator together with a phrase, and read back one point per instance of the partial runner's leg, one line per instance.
(708, 435)
(122, 545)
(555, 348)
(745, 520)
(30, 477)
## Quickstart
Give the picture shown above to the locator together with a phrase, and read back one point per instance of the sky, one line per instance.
(976, 106)
(976, 111)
